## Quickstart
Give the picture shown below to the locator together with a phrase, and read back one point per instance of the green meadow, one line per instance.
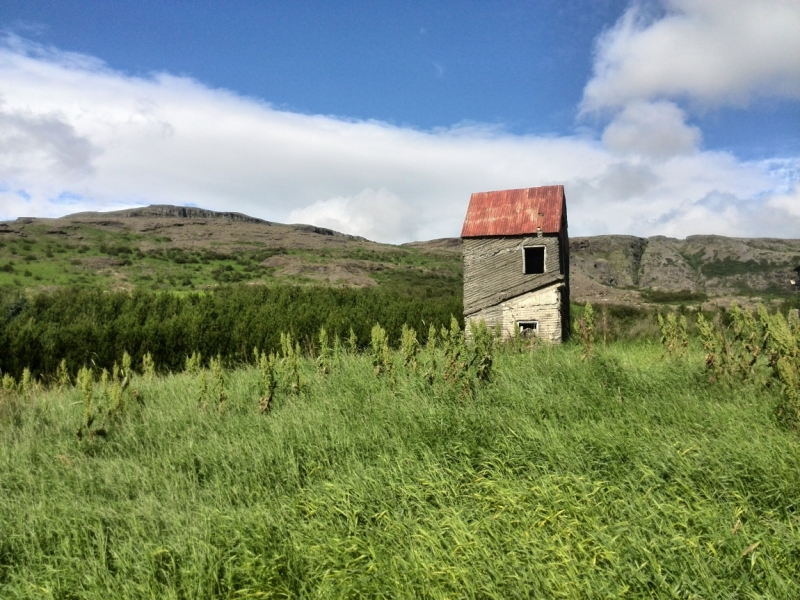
(625, 473)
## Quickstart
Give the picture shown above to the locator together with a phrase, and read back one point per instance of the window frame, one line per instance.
(544, 259)
(534, 330)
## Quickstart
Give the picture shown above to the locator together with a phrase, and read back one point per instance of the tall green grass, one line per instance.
(628, 475)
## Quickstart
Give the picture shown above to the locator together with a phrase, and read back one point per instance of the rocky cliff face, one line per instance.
(169, 211)
(710, 265)
(632, 270)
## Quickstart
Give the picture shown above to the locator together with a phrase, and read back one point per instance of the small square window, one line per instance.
(528, 328)
(533, 260)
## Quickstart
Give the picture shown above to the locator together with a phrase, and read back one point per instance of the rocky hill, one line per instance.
(628, 269)
(698, 266)
(170, 247)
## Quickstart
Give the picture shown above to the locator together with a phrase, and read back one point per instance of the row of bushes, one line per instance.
(87, 327)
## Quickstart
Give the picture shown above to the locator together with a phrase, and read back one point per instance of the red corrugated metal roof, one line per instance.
(515, 212)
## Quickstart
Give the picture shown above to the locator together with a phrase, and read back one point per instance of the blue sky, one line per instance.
(674, 117)
(427, 64)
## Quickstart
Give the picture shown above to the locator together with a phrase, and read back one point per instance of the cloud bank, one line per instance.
(710, 51)
(76, 135)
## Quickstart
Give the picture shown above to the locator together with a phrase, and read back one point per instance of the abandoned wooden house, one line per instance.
(516, 262)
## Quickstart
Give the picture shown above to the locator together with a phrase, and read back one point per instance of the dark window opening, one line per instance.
(528, 328)
(533, 260)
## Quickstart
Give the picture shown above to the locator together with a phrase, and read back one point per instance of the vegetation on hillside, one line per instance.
(93, 254)
(158, 250)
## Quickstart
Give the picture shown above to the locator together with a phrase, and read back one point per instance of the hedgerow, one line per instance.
(85, 327)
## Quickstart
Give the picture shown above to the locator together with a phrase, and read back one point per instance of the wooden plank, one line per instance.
(493, 269)
(477, 302)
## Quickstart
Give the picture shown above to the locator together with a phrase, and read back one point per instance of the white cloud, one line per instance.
(374, 214)
(655, 129)
(76, 135)
(728, 214)
(789, 202)
(712, 51)
(27, 138)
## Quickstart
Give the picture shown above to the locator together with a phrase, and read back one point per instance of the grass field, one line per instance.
(624, 476)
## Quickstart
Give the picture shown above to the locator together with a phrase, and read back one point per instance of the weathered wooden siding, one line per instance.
(566, 318)
(493, 269)
(544, 306)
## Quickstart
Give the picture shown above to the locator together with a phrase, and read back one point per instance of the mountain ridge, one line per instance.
(615, 268)
(131, 247)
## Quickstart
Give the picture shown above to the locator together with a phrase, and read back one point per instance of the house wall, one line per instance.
(493, 269)
(543, 305)
(566, 317)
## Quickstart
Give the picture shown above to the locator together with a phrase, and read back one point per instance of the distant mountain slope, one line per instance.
(182, 248)
(190, 226)
(713, 265)
(170, 211)
(624, 268)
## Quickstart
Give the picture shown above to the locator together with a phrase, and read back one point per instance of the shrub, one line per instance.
(352, 342)
(782, 341)
(269, 381)
(483, 350)
(10, 402)
(674, 335)
(9, 384)
(381, 355)
(194, 363)
(324, 358)
(290, 363)
(218, 381)
(81, 325)
(409, 347)
(85, 381)
(62, 375)
(429, 357)
(673, 297)
(765, 350)
(148, 366)
(455, 356)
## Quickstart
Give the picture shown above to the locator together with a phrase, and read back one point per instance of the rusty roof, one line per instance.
(515, 212)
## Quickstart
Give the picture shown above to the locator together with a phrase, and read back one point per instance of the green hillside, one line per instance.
(179, 249)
